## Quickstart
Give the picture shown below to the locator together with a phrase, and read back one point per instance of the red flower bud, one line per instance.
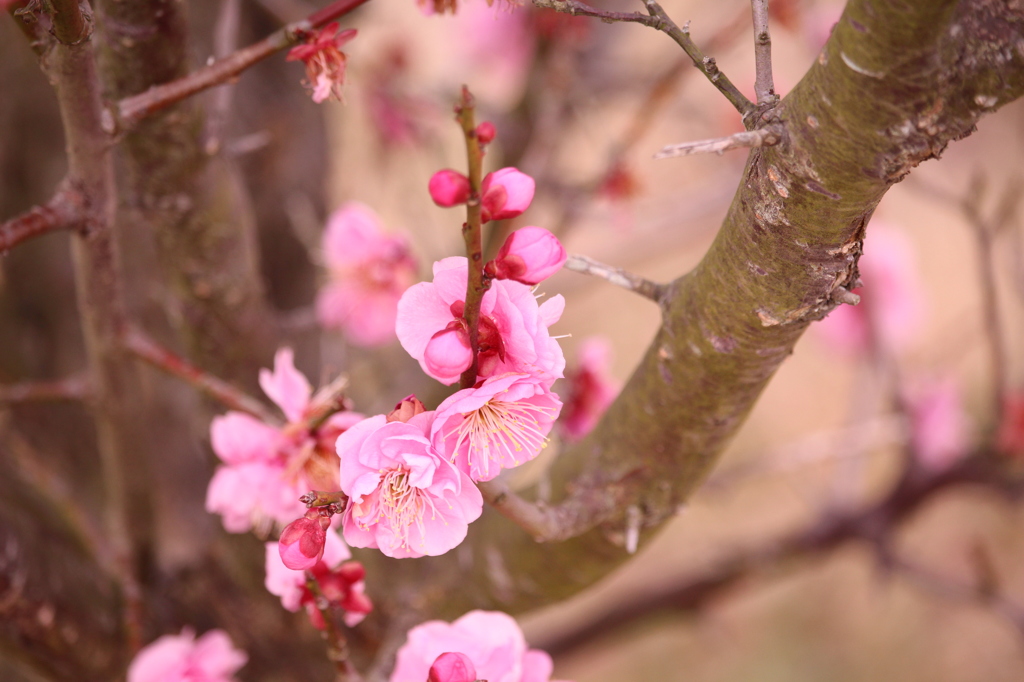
(302, 541)
(485, 132)
(505, 194)
(449, 188)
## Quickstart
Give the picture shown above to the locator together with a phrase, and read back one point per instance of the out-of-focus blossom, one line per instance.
(339, 581)
(939, 427)
(183, 658)
(302, 541)
(530, 255)
(1011, 428)
(505, 194)
(891, 301)
(404, 498)
(499, 425)
(491, 640)
(265, 469)
(485, 133)
(496, 44)
(448, 188)
(369, 269)
(619, 183)
(591, 388)
(397, 113)
(324, 60)
(452, 667)
(513, 327)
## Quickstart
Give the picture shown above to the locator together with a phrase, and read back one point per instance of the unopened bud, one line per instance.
(409, 407)
(302, 541)
(529, 255)
(447, 353)
(505, 194)
(485, 132)
(449, 188)
(452, 667)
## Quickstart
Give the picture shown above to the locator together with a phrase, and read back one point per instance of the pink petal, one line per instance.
(286, 386)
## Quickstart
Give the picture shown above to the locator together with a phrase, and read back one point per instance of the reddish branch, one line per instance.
(132, 109)
(73, 388)
(64, 211)
(232, 397)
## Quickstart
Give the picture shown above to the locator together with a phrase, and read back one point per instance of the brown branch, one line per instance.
(764, 86)
(73, 388)
(616, 276)
(133, 109)
(748, 139)
(657, 18)
(337, 645)
(64, 211)
(147, 349)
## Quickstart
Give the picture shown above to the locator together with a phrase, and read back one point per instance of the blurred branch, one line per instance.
(617, 276)
(337, 646)
(764, 86)
(76, 387)
(166, 360)
(658, 19)
(64, 211)
(133, 109)
(762, 137)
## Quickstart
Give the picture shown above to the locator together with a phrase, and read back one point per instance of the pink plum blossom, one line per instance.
(324, 60)
(591, 389)
(530, 255)
(266, 468)
(288, 583)
(452, 667)
(404, 498)
(513, 332)
(183, 658)
(938, 426)
(500, 425)
(891, 305)
(505, 194)
(448, 188)
(491, 640)
(369, 270)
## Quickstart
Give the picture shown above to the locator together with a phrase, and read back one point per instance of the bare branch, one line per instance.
(616, 276)
(762, 137)
(658, 19)
(73, 388)
(64, 211)
(534, 518)
(764, 86)
(232, 397)
(131, 110)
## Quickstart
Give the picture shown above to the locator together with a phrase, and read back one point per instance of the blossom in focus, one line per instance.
(491, 640)
(404, 498)
(939, 427)
(265, 469)
(505, 194)
(339, 581)
(891, 300)
(499, 425)
(513, 331)
(369, 269)
(530, 255)
(452, 667)
(448, 188)
(324, 60)
(591, 389)
(183, 658)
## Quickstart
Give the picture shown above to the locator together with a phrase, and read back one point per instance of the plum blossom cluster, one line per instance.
(481, 645)
(183, 658)
(265, 468)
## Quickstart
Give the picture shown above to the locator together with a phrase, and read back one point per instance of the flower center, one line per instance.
(511, 428)
(401, 504)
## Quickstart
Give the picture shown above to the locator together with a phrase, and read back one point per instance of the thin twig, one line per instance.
(232, 397)
(131, 110)
(762, 137)
(337, 645)
(657, 18)
(64, 211)
(764, 86)
(536, 519)
(616, 276)
(75, 387)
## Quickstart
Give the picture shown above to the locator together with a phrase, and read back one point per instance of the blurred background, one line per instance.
(582, 106)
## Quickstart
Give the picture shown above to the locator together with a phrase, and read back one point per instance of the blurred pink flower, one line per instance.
(264, 468)
(498, 45)
(499, 425)
(324, 60)
(404, 497)
(530, 255)
(513, 327)
(183, 658)
(591, 388)
(505, 194)
(491, 640)
(369, 270)
(939, 427)
(891, 306)
(452, 667)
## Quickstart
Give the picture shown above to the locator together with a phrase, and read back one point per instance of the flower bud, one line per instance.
(485, 132)
(529, 255)
(505, 194)
(447, 353)
(449, 188)
(302, 541)
(406, 410)
(452, 667)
